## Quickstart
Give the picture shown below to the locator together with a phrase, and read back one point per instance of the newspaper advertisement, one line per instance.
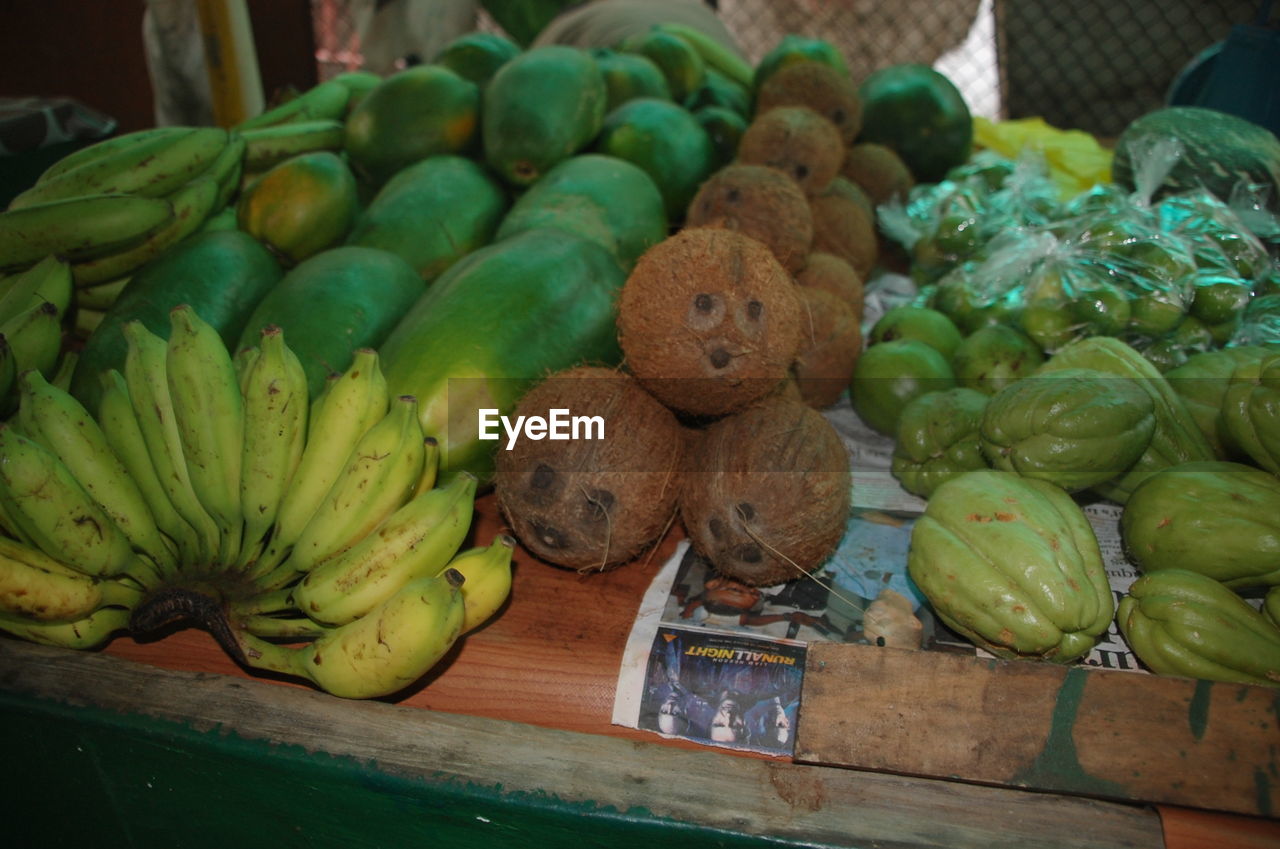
(712, 660)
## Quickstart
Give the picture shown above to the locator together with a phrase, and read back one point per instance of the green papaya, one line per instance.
(425, 110)
(496, 322)
(920, 114)
(1075, 428)
(1180, 622)
(794, 47)
(1202, 383)
(221, 274)
(725, 128)
(433, 213)
(1012, 564)
(477, 56)
(718, 90)
(937, 439)
(337, 301)
(1251, 410)
(1218, 518)
(628, 76)
(300, 207)
(606, 199)
(1177, 438)
(665, 140)
(539, 109)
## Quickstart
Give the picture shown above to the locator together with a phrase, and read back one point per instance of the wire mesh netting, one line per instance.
(1092, 65)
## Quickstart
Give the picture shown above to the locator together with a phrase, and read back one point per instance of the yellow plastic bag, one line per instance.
(1076, 161)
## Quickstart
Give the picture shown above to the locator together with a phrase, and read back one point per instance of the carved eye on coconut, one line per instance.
(759, 202)
(709, 321)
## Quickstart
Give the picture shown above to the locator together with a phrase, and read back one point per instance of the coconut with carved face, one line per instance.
(709, 321)
(603, 493)
(766, 492)
(797, 141)
(760, 202)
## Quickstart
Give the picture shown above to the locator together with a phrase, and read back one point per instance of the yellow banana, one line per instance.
(430, 466)
(379, 477)
(151, 168)
(87, 633)
(47, 280)
(120, 428)
(60, 423)
(274, 387)
(109, 147)
(487, 570)
(80, 228)
(344, 411)
(269, 146)
(397, 643)
(145, 374)
(326, 101)
(417, 540)
(209, 412)
(34, 338)
(46, 501)
(35, 586)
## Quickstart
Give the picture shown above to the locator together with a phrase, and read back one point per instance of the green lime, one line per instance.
(1103, 308)
(1218, 297)
(890, 375)
(928, 325)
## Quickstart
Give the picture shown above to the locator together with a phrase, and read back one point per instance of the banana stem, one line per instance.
(261, 654)
(274, 626)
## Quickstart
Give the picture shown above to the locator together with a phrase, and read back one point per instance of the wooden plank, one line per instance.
(452, 772)
(1117, 735)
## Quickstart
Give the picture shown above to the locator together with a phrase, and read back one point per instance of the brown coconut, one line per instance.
(835, 275)
(797, 141)
(766, 493)
(879, 170)
(760, 202)
(590, 504)
(825, 90)
(709, 321)
(844, 224)
(830, 342)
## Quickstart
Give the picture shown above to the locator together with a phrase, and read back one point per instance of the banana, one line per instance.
(397, 643)
(86, 321)
(101, 297)
(35, 586)
(487, 570)
(340, 415)
(715, 54)
(227, 170)
(120, 428)
(34, 338)
(292, 627)
(430, 466)
(209, 414)
(79, 228)
(47, 280)
(60, 423)
(66, 370)
(417, 540)
(151, 168)
(377, 479)
(269, 146)
(8, 379)
(324, 102)
(53, 509)
(87, 633)
(276, 404)
(223, 219)
(145, 373)
(109, 147)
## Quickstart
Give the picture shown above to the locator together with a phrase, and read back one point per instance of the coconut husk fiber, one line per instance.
(844, 224)
(591, 504)
(766, 494)
(709, 321)
(835, 275)
(830, 343)
(759, 202)
(797, 141)
(818, 86)
(879, 171)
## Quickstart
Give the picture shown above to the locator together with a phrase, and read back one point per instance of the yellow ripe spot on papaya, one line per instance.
(459, 131)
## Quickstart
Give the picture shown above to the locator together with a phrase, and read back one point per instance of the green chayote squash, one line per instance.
(1176, 439)
(1076, 428)
(1251, 410)
(1218, 518)
(1012, 564)
(1202, 382)
(1180, 622)
(937, 439)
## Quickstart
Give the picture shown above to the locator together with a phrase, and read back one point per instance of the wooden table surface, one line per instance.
(551, 659)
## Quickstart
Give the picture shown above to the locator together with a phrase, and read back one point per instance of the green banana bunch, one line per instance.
(274, 387)
(326, 101)
(380, 653)
(271, 145)
(417, 540)
(56, 420)
(487, 585)
(86, 633)
(33, 339)
(79, 228)
(209, 417)
(1180, 622)
(715, 54)
(108, 147)
(49, 280)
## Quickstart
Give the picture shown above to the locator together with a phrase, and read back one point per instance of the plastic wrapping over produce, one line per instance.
(995, 243)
